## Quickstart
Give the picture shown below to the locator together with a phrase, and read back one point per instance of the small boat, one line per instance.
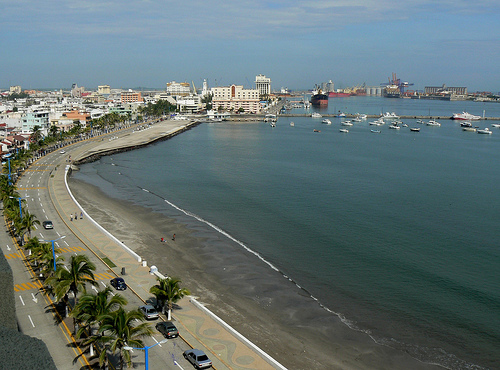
(316, 115)
(415, 129)
(433, 123)
(388, 115)
(326, 121)
(466, 124)
(344, 130)
(357, 119)
(405, 125)
(375, 131)
(497, 125)
(346, 123)
(420, 121)
(273, 124)
(485, 131)
(316, 130)
(362, 116)
(292, 123)
(470, 129)
(341, 114)
(395, 127)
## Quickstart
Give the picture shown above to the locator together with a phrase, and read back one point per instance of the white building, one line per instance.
(189, 104)
(263, 84)
(235, 97)
(178, 88)
(104, 89)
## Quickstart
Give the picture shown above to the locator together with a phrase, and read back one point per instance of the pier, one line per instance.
(379, 116)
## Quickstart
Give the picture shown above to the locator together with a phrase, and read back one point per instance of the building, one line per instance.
(15, 89)
(178, 88)
(235, 97)
(189, 104)
(104, 90)
(130, 97)
(76, 92)
(34, 118)
(434, 90)
(263, 84)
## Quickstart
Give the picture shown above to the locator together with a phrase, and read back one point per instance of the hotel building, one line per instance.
(235, 97)
(263, 84)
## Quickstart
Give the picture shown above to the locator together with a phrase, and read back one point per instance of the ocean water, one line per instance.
(397, 231)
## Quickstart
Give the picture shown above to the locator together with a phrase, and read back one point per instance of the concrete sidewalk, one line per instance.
(198, 327)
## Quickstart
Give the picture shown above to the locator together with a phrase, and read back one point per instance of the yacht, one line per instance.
(344, 130)
(497, 125)
(471, 129)
(346, 123)
(388, 115)
(433, 123)
(316, 115)
(465, 116)
(326, 121)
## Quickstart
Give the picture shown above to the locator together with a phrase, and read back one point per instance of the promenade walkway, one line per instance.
(197, 326)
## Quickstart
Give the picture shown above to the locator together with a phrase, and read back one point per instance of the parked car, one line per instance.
(47, 225)
(149, 312)
(198, 358)
(118, 283)
(168, 329)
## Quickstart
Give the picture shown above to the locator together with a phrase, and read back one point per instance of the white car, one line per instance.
(62, 152)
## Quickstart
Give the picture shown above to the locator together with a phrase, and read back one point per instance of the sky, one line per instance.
(297, 43)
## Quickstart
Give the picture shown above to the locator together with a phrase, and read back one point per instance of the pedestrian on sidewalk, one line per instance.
(71, 217)
(81, 215)
(173, 237)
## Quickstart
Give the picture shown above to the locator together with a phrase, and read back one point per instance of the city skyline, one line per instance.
(295, 43)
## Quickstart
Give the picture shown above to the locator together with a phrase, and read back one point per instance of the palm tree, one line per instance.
(29, 221)
(120, 329)
(168, 291)
(91, 306)
(43, 256)
(79, 273)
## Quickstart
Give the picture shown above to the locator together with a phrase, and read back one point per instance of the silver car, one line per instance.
(198, 358)
(149, 312)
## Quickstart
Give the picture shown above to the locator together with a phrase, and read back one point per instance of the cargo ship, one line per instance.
(335, 94)
(318, 97)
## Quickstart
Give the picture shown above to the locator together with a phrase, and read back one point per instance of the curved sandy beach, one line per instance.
(225, 276)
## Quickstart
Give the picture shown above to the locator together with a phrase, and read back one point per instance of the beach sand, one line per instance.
(242, 290)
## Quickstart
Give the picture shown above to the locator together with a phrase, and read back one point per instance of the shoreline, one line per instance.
(273, 326)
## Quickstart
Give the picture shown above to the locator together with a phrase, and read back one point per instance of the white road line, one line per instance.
(66, 243)
(21, 298)
(31, 321)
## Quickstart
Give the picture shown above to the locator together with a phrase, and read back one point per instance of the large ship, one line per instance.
(465, 116)
(338, 94)
(392, 91)
(318, 97)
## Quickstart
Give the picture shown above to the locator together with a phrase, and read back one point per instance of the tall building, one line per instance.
(178, 88)
(15, 89)
(263, 84)
(130, 96)
(235, 97)
(104, 89)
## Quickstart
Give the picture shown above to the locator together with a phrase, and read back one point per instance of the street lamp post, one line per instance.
(20, 205)
(145, 349)
(53, 250)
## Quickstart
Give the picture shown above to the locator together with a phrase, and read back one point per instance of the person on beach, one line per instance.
(162, 240)
(71, 217)
(81, 215)
(173, 237)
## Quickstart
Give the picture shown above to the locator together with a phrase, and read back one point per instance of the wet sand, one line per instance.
(256, 300)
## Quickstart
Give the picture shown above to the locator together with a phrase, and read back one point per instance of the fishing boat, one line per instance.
(486, 131)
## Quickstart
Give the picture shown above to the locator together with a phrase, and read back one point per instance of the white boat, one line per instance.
(485, 131)
(395, 127)
(465, 116)
(273, 124)
(415, 129)
(357, 119)
(433, 123)
(326, 121)
(420, 121)
(378, 122)
(292, 123)
(471, 129)
(341, 114)
(316, 115)
(361, 116)
(388, 115)
(466, 124)
(375, 131)
(346, 123)
(497, 125)
(344, 130)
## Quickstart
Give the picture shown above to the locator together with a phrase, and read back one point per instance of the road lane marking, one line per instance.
(21, 298)
(31, 321)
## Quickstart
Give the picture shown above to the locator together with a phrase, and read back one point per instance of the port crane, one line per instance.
(397, 82)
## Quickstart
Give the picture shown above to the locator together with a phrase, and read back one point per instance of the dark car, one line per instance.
(198, 358)
(118, 283)
(168, 329)
(47, 225)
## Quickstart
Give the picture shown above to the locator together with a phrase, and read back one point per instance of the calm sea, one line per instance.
(397, 231)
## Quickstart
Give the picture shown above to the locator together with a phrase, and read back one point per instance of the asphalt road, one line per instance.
(33, 308)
